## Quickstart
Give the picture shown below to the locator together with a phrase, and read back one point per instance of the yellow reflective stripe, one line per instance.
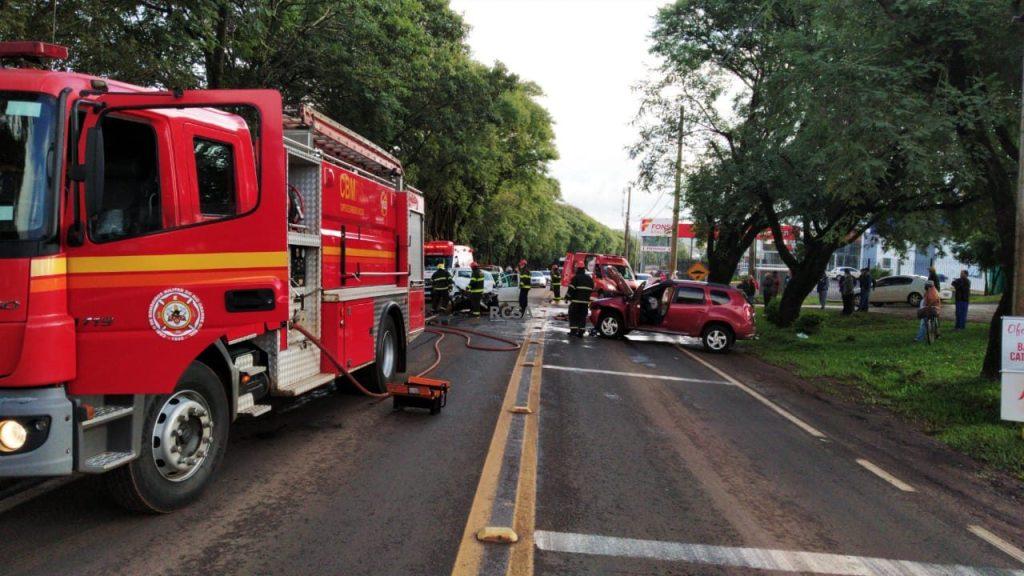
(358, 252)
(167, 262)
(49, 266)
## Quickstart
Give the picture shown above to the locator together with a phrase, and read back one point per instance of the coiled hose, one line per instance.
(433, 329)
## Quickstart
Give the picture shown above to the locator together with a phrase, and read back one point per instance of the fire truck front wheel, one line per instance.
(184, 437)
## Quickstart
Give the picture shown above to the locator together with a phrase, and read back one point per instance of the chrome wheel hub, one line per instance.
(717, 339)
(609, 326)
(182, 436)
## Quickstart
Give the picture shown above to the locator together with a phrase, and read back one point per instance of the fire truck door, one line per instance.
(183, 238)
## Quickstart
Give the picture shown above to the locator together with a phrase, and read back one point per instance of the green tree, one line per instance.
(471, 136)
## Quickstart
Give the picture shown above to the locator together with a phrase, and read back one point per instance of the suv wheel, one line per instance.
(609, 325)
(717, 338)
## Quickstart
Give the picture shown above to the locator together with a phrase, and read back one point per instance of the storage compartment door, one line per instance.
(359, 343)
(333, 335)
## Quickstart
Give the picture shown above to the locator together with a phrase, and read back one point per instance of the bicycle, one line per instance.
(930, 316)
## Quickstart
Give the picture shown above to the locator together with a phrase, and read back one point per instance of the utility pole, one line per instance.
(1018, 265)
(629, 202)
(752, 258)
(674, 233)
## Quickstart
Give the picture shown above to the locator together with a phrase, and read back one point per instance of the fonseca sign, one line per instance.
(1012, 403)
(663, 227)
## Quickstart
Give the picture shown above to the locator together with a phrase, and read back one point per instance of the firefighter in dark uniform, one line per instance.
(524, 286)
(440, 285)
(476, 290)
(556, 282)
(578, 296)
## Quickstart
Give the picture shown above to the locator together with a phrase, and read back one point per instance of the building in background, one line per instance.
(868, 251)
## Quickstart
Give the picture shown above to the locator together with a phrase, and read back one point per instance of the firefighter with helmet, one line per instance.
(524, 286)
(556, 282)
(578, 296)
(476, 289)
(440, 284)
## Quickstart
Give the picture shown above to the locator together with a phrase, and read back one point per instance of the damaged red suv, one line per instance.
(716, 313)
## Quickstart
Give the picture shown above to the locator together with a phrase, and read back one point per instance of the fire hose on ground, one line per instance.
(433, 329)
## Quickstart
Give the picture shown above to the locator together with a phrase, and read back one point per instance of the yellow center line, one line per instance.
(469, 559)
(521, 560)
(471, 551)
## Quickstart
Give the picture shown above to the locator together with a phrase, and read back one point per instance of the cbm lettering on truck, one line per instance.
(158, 253)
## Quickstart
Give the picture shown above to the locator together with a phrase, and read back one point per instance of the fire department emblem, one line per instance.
(176, 314)
(384, 203)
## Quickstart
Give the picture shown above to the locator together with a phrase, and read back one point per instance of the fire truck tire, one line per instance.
(152, 485)
(386, 357)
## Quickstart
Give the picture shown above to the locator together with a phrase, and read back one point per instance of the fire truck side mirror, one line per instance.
(94, 170)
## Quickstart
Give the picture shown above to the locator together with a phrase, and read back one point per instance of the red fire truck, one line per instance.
(160, 253)
(594, 264)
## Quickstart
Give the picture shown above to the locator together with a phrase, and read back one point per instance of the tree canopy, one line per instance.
(471, 136)
(900, 115)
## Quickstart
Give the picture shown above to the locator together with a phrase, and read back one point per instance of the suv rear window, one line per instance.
(689, 295)
(720, 297)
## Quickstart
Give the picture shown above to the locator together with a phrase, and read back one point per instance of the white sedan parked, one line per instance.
(900, 289)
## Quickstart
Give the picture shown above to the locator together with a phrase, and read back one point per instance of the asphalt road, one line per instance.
(339, 485)
(637, 458)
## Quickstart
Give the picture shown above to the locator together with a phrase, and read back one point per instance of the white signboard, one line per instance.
(1012, 405)
(659, 249)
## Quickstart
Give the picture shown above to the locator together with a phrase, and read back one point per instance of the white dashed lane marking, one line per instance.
(1010, 550)
(753, 558)
(885, 476)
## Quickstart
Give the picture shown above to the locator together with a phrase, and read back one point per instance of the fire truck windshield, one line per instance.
(27, 135)
(433, 261)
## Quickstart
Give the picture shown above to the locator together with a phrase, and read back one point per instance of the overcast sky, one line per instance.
(586, 55)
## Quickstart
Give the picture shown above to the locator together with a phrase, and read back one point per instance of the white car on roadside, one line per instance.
(905, 288)
(838, 271)
(538, 279)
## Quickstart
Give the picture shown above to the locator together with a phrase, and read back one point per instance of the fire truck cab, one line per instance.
(158, 251)
(594, 264)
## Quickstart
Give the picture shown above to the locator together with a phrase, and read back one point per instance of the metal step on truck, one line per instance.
(161, 255)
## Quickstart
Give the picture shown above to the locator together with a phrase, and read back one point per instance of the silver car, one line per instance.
(908, 288)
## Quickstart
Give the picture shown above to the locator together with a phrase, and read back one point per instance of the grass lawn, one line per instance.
(985, 298)
(935, 386)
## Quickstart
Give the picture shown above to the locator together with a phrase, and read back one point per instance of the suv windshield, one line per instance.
(27, 133)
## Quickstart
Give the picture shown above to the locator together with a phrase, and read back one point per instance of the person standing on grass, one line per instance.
(749, 289)
(846, 289)
(930, 301)
(934, 277)
(867, 284)
(962, 297)
(769, 287)
(823, 290)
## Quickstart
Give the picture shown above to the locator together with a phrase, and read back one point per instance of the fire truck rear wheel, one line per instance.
(384, 368)
(185, 434)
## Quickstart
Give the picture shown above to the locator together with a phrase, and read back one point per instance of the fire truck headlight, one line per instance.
(12, 436)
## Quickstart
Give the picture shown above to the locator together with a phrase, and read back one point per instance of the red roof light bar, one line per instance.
(30, 49)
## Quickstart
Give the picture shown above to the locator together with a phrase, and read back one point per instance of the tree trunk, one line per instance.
(993, 352)
(215, 60)
(722, 264)
(803, 280)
